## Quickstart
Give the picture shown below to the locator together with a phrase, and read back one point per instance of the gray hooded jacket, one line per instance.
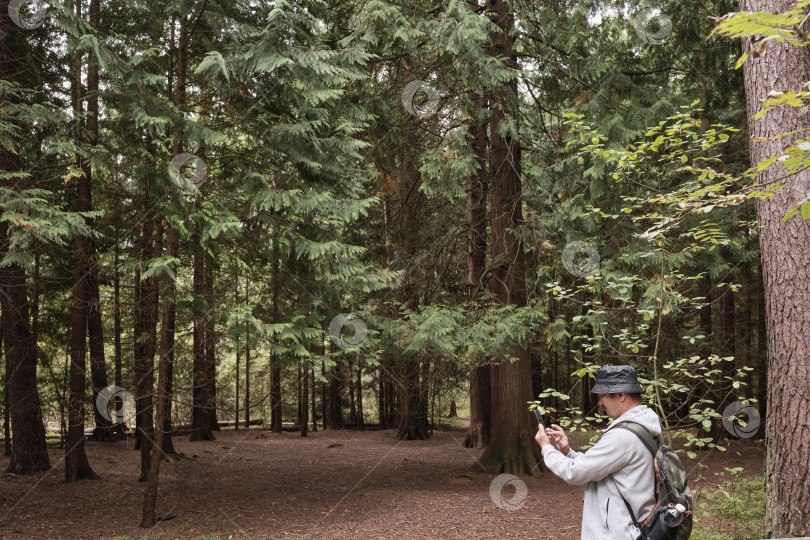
(618, 463)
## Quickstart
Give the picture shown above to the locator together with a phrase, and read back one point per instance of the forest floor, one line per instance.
(335, 484)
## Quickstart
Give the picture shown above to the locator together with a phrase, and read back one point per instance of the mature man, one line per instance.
(617, 465)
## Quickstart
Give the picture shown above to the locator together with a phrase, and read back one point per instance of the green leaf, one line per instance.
(213, 60)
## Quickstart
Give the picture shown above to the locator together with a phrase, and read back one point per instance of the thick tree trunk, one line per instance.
(29, 454)
(480, 407)
(762, 350)
(412, 406)
(786, 272)
(413, 416)
(511, 447)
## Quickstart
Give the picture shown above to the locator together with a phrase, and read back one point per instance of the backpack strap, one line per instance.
(652, 445)
(642, 433)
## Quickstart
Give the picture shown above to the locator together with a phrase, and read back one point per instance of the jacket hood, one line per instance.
(643, 415)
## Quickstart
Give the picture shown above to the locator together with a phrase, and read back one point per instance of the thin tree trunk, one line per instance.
(98, 366)
(247, 359)
(76, 464)
(210, 345)
(323, 396)
(151, 247)
(167, 334)
(381, 397)
(480, 400)
(6, 379)
(120, 429)
(200, 428)
(352, 407)
(305, 401)
(153, 475)
(169, 314)
(360, 424)
(275, 381)
(335, 405)
(786, 271)
(314, 410)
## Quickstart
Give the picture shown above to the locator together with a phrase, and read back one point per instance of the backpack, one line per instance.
(671, 489)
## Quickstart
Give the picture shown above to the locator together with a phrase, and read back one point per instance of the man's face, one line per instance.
(612, 404)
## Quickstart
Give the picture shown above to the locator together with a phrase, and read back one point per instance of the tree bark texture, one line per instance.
(511, 447)
(786, 272)
(480, 399)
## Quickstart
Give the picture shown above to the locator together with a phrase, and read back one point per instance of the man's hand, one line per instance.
(559, 439)
(541, 437)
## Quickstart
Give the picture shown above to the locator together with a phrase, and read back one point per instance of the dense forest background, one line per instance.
(322, 215)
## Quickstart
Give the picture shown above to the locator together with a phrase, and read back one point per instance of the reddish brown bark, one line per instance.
(480, 399)
(200, 425)
(23, 416)
(511, 447)
(786, 271)
(76, 464)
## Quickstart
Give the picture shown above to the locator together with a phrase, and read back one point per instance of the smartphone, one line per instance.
(539, 416)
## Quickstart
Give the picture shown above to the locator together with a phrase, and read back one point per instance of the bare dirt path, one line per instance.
(334, 484)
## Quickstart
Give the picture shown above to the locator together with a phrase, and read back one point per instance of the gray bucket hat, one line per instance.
(615, 379)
